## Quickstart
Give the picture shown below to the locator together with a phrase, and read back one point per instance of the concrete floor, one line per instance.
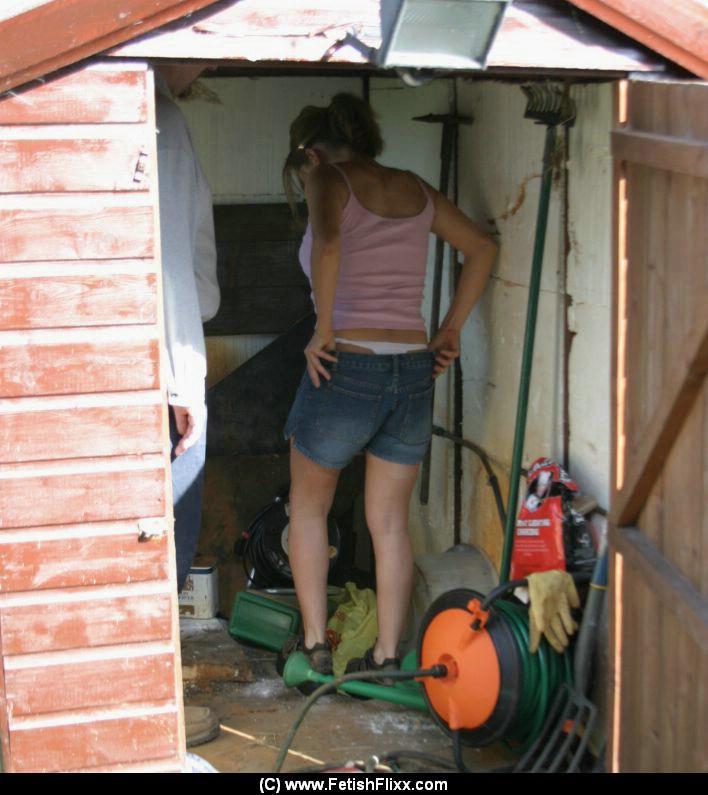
(256, 711)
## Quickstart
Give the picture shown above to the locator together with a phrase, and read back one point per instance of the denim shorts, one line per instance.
(379, 403)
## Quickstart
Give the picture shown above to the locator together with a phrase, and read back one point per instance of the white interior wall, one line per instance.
(590, 287)
(241, 143)
(500, 162)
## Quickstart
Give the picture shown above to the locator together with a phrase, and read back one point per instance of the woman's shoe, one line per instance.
(368, 663)
(318, 656)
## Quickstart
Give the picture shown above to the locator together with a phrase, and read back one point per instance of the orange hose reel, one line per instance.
(480, 694)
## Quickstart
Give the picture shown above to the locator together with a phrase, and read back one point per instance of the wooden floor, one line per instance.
(256, 711)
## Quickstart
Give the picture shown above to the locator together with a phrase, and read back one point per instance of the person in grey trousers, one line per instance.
(191, 297)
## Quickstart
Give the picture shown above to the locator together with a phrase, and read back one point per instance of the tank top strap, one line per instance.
(423, 187)
(344, 177)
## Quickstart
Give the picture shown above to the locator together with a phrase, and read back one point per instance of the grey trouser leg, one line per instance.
(187, 490)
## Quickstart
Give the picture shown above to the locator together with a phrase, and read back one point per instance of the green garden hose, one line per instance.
(542, 674)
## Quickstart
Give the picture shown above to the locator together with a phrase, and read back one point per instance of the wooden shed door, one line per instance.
(90, 673)
(660, 504)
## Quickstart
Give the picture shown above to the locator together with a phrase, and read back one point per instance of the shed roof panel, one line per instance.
(536, 34)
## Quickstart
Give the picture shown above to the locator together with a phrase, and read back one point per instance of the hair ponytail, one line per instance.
(353, 122)
(292, 184)
(347, 121)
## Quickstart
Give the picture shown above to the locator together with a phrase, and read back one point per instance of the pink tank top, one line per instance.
(381, 269)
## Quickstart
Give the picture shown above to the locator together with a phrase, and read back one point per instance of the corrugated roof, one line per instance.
(677, 29)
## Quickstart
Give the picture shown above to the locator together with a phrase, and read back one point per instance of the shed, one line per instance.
(90, 676)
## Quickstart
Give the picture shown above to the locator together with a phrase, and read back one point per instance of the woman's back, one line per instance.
(385, 225)
(387, 192)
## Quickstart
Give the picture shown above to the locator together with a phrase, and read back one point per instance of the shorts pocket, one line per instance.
(417, 424)
(346, 415)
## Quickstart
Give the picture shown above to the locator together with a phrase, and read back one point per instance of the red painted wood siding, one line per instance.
(78, 300)
(90, 673)
(98, 97)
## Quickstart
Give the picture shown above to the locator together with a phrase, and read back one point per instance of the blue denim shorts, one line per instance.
(379, 403)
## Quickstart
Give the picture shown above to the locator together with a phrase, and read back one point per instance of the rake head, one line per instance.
(562, 744)
(549, 105)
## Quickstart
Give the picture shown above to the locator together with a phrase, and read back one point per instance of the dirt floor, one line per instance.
(256, 711)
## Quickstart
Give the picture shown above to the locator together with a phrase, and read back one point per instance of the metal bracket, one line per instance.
(141, 165)
(149, 529)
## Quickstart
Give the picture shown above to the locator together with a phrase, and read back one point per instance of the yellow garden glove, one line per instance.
(551, 594)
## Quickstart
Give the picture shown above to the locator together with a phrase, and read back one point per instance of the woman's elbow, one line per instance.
(483, 252)
(489, 246)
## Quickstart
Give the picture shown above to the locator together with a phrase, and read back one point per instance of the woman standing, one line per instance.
(370, 366)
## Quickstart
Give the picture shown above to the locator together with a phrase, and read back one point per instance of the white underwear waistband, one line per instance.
(384, 348)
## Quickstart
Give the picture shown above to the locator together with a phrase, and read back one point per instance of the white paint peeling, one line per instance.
(86, 593)
(98, 400)
(81, 466)
(66, 532)
(70, 336)
(76, 718)
(55, 270)
(123, 651)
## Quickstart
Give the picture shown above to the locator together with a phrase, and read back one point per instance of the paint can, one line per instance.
(199, 598)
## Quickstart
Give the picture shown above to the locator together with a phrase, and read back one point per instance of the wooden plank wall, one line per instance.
(90, 675)
(660, 505)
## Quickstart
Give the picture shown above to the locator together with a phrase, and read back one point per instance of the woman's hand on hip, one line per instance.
(446, 344)
(318, 349)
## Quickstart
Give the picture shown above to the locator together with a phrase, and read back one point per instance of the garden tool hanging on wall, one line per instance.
(448, 163)
(553, 107)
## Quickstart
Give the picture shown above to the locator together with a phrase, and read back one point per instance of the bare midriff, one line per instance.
(378, 335)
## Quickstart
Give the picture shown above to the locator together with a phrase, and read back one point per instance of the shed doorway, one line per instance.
(80, 325)
(239, 124)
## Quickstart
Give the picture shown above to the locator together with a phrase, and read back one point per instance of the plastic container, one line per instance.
(264, 620)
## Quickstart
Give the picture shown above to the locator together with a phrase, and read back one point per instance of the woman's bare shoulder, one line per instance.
(325, 179)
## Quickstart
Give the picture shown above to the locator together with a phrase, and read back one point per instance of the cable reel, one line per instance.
(264, 546)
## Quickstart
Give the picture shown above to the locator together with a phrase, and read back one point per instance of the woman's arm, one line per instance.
(324, 191)
(479, 252)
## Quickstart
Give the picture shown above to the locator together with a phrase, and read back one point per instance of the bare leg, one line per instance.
(311, 493)
(388, 492)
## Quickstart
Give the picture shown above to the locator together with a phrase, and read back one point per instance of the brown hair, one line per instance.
(346, 121)
(291, 181)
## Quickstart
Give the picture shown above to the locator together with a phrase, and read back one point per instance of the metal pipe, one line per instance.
(458, 398)
(527, 357)
(445, 157)
(492, 479)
